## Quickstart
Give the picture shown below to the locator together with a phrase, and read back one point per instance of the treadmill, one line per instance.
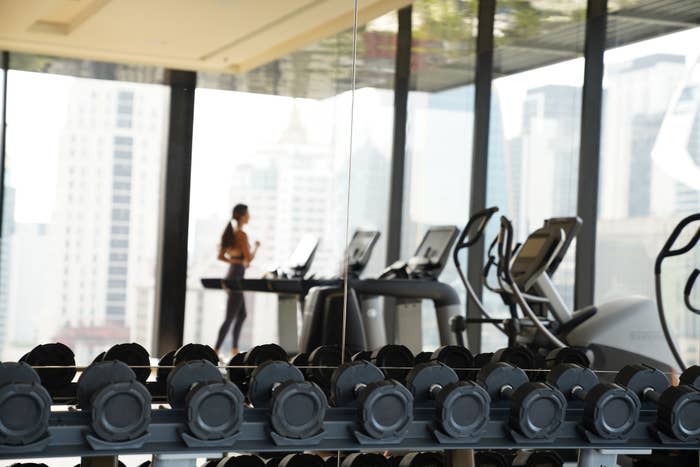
(409, 282)
(291, 284)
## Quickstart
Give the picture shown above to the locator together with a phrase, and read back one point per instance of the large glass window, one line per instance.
(82, 195)
(649, 166)
(439, 130)
(535, 125)
(277, 139)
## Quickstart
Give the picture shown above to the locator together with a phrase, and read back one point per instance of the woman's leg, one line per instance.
(238, 325)
(231, 306)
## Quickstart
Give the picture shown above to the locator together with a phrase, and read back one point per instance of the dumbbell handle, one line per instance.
(359, 388)
(651, 394)
(507, 391)
(579, 393)
(434, 390)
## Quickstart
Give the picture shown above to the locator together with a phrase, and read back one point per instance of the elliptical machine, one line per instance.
(613, 333)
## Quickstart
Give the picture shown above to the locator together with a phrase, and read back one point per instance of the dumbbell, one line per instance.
(297, 407)
(610, 411)
(537, 459)
(395, 360)
(481, 359)
(55, 354)
(322, 361)
(367, 459)
(421, 357)
(456, 357)
(537, 409)
(119, 405)
(133, 355)
(25, 403)
(300, 360)
(164, 364)
(577, 355)
(490, 459)
(254, 357)
(677, 407)
(213, 407)
(28, 464)
(422, 459)
(298, 460)
(462, 406)
(195, 352)
(385, 405)
(247, 460)
(518, 356)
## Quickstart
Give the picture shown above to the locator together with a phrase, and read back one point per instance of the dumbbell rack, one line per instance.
(69, 436)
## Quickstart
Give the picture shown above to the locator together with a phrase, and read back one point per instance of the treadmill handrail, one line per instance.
(440, 293)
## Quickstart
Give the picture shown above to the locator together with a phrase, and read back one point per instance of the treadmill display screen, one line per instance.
(532, 247)
(303, 252)
(360, 247)
(436, 243)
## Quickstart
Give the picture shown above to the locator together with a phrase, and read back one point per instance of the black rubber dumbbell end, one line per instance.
(611, 411)
(26, 405)
(298, 409)
(386, 409)
(538, 410)
(691, 376)
(463, 409)
(214, 410)
(678, 413)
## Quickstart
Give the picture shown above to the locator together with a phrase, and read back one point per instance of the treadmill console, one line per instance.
(536, 255)
(433, 251)
(300, 261)
(359, 250)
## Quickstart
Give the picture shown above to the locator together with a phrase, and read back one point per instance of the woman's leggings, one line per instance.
(235, 309)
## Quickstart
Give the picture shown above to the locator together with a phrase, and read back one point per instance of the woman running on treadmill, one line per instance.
(235, 250)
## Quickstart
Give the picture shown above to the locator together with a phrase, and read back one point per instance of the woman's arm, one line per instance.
(242, 243)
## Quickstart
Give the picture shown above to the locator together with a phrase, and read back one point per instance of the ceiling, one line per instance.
(230, 36)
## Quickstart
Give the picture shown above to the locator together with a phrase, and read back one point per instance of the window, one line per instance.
(535, 126)
(276, 139)
(54, 199)
(649, 170)
(439, 129)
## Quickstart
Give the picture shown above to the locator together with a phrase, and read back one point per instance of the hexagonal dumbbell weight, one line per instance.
(297, 407)
(456, 357)
(53, 355)
(537, 409)
(462, 406)
(386, 406)
(518, 356)
(246, 460)
(247, 361)
(422, 459)
(133, 355)
(26, 405)
(190, 352)
(301, 460)
(213, 406)
(395, 360)
(322, 362)
(120, 406)
(364, 459)
(610, 411)
(537, 459)
(678, 407)
(577, 355)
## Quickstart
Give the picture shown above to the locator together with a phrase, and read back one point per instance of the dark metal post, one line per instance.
(589, 157)
(402, 76)
(3, 136)
(480, 152)
(172, 261)
(398, 153)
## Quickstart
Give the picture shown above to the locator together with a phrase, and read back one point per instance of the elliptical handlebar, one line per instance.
(689, 288)
(505, 252)
(466, 240)
(666, 250)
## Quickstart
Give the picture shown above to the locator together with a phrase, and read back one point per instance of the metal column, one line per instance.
(480, 152)
(589, 156)
(172, 260)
